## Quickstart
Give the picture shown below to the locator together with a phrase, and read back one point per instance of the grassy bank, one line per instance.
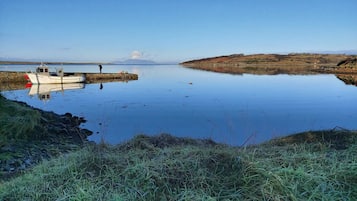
(17, 120)
(308, 166)
(29, 135)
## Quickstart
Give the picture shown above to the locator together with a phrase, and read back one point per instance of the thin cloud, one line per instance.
(65, 49)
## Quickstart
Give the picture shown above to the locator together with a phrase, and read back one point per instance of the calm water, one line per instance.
(233, 109)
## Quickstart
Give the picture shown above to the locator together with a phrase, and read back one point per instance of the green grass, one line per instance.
(17, 121)
(169, 168)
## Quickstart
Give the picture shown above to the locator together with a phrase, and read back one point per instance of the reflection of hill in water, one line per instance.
(44, 90)
(349, 79)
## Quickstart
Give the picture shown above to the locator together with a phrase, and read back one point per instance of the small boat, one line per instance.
(43, 76)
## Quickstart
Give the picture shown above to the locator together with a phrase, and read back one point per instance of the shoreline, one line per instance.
(168, 167)
(54, 129)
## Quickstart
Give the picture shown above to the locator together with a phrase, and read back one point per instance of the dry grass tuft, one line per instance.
(164, 167)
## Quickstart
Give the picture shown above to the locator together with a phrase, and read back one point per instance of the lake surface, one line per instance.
(233, 109)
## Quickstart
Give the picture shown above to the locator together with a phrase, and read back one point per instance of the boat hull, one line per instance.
(37, 78)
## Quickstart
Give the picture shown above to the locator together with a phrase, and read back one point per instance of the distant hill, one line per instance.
(270, 59)
(135, 61)
(20, 61)
(348, 63)
(271, 63)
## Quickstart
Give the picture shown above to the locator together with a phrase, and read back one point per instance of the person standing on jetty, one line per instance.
(100, 68)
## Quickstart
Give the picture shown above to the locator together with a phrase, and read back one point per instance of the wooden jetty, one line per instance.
(16, 80)
(109, 77)
(12, 77)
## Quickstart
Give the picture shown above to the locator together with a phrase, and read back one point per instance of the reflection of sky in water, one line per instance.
(226, 108)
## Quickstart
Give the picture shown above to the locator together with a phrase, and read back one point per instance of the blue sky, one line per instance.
(166, 31)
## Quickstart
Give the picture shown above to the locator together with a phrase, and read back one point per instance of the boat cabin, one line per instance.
(43, 69)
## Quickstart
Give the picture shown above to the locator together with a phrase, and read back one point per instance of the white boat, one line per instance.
(43, 76)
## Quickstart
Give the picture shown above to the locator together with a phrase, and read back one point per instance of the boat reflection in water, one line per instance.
(43, 91)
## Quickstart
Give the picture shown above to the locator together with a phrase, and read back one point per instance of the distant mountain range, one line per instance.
(135, 61)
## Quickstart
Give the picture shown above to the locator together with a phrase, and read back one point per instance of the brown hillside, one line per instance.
(269, 63)
(348, 63)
